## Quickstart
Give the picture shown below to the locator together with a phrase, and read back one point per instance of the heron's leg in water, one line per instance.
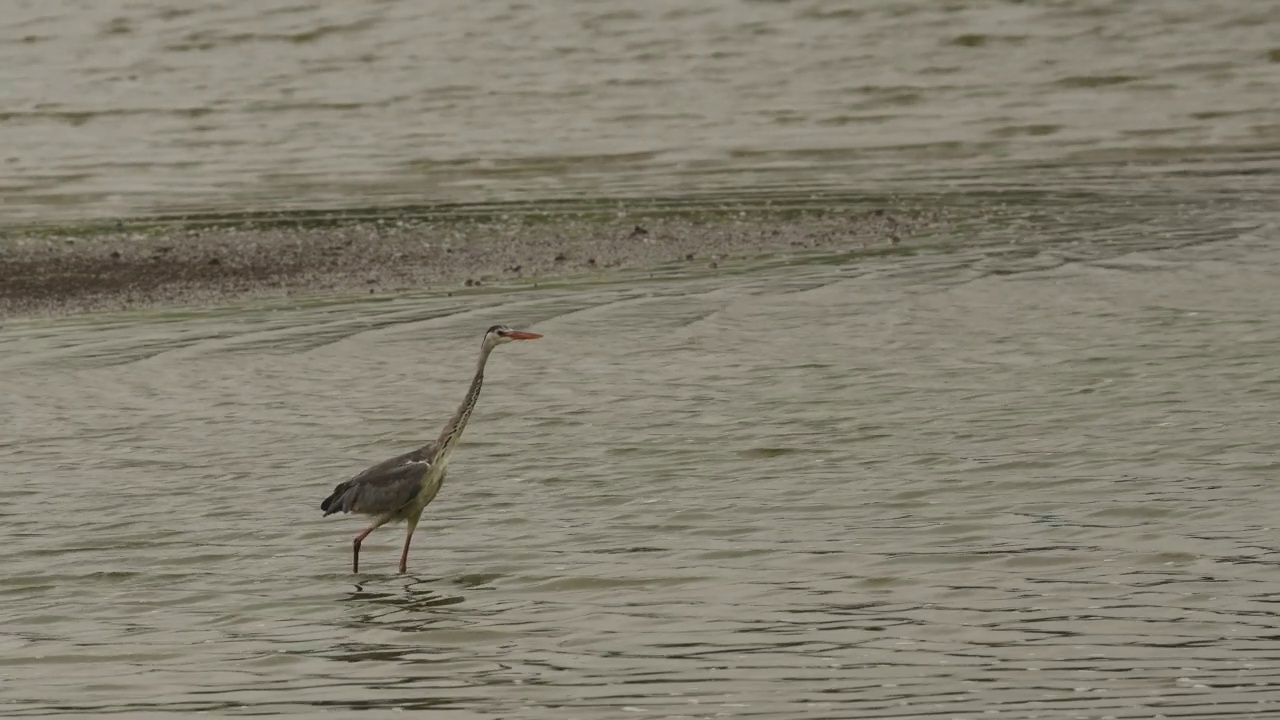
(355, 545)
(408, 535)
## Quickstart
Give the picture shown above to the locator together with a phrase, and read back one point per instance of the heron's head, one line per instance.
(499, 334)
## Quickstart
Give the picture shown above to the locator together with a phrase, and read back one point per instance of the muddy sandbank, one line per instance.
(48, 271)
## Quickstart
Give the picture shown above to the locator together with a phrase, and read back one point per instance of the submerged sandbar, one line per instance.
(207, 260)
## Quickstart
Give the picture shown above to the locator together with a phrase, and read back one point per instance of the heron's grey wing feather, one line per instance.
(383, 488)
(387, 491)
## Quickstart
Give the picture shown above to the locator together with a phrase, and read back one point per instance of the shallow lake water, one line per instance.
(136, 106)
(999, 478)
(1024, 468)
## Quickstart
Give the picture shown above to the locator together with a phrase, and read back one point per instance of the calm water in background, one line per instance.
(1027, 473)
(128, 106)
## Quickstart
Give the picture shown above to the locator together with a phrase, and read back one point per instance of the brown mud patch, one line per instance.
(59, 271)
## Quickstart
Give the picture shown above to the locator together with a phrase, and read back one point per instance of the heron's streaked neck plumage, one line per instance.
(453, 429)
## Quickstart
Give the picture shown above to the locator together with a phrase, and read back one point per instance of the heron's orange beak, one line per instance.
(522, 335)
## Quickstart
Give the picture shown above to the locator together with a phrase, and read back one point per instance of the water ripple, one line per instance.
(955, 484)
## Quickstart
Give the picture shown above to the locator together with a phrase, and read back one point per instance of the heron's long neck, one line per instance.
(453, 429)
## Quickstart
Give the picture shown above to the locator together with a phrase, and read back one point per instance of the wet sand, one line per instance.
(60, 271)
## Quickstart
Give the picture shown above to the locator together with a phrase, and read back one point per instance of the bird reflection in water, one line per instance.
(413, 606)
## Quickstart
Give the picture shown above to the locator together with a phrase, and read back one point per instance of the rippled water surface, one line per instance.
(1010, 480)
(129, 106)
(1024, 469)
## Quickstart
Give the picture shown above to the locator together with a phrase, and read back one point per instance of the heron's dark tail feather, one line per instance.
(334, 503)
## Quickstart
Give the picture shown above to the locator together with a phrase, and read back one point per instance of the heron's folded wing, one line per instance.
(384, 488)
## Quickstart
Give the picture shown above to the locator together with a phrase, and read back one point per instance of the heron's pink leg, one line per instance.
(355, 547)
(404, 556)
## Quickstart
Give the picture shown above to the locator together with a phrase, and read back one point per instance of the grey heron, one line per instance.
(400, 488)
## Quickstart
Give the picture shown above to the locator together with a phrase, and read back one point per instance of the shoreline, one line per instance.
(145, 263)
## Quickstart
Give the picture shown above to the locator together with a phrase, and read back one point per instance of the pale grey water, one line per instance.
(1028, 473)
(1023, 480)
(130, 106)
